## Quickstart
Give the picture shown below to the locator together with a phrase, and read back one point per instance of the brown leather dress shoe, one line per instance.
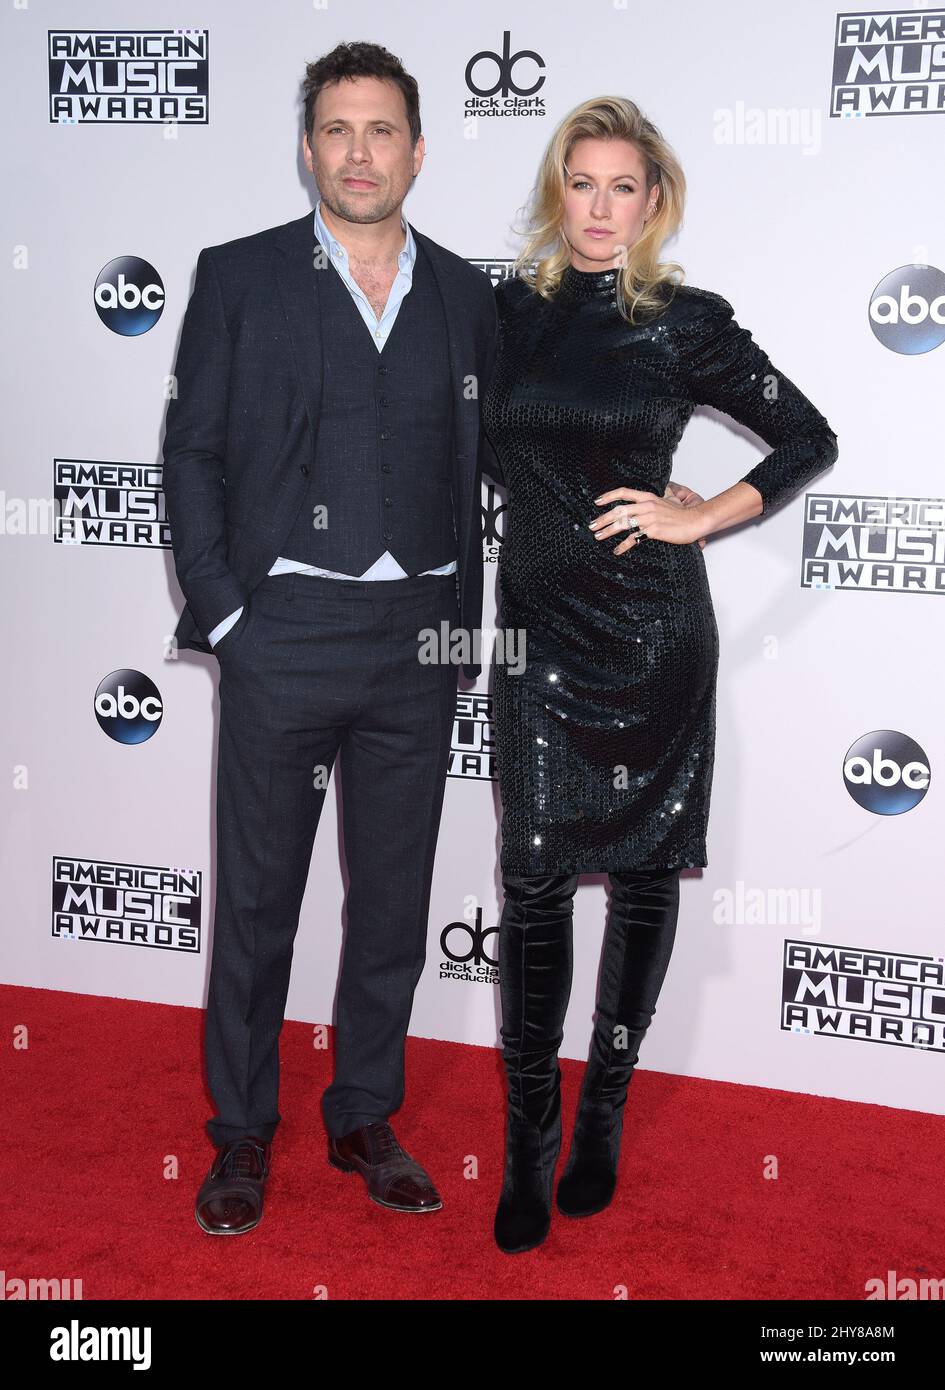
(230, 1202)
(393, 1178)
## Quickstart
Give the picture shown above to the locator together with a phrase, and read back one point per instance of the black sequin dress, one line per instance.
(605, 742)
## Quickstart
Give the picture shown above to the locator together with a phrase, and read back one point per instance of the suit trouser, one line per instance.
(321, 667)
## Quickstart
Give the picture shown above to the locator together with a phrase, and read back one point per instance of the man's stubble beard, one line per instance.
(354, 210)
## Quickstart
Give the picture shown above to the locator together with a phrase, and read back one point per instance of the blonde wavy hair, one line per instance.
(644, 276)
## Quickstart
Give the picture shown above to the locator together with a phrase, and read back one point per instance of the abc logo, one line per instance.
(128, 706)
(129, 296)
(886, 772)
(907, 309)
(504, 63)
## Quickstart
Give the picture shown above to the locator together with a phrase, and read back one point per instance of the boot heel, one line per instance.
(587, 1186)
(589, 1180)
(340, 1164)
(523, 1216)
(535, 969)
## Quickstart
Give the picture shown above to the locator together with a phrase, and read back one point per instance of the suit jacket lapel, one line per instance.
(297, 279)
(463, 362)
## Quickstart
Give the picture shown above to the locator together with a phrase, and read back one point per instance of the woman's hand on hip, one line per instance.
(685, 497)
(659, 518)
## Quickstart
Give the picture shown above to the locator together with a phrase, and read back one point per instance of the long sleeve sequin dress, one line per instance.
(605, 741)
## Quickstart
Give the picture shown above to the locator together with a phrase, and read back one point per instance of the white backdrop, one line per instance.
(796, 216)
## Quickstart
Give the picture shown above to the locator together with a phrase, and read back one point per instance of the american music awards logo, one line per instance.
(126, 904)
(888, 997)
(497, 268)
(888, 63)
(98, 503)
(472, 753)
(129, 76)
(873, 543)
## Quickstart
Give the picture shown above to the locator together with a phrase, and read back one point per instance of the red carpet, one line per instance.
(108, 1098)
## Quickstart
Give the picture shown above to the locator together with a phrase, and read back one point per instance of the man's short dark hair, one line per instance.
(360, 60)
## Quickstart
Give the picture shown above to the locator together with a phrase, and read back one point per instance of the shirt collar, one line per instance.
(405, 259)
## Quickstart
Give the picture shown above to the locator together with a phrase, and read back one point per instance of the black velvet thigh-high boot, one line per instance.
(638, 943)
(535, 965)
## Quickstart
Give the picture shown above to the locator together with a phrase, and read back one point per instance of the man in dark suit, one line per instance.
(322, 466)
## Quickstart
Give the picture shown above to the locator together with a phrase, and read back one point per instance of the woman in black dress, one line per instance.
(605, 740)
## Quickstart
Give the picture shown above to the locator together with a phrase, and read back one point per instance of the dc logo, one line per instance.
(129, 296)
(907, 309)
(504, 63)
(886, 772)
(128, 706)
(491, 511)
(460, 936)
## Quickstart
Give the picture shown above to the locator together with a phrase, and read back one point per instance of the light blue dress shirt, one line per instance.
(385, 567)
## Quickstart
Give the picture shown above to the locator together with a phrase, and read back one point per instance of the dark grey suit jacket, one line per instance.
(239, 442)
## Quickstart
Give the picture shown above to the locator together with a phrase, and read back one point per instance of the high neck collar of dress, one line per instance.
(589, 284)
